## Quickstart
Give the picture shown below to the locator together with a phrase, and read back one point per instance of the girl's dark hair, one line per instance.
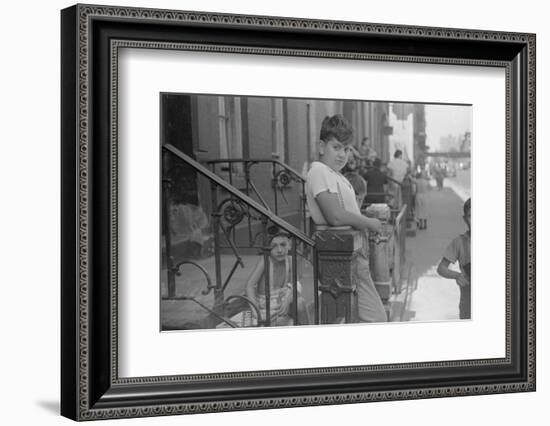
(337, 127)
(274, 231)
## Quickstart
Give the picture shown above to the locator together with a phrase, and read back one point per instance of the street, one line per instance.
(434, 297)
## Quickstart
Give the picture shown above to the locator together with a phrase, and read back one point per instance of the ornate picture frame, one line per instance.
(91, 39)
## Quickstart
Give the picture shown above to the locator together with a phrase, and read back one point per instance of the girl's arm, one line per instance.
(336, 215)
(445, 272)
(252, 283)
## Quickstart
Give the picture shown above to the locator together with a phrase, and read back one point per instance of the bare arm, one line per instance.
(336, 215)
(252, 283)
(445, 272)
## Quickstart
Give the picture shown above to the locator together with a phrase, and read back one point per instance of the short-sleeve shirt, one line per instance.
(322, 178)
(398, 168)
(459, 250)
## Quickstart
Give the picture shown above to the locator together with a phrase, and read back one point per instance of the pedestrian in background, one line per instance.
(398, 170)
(376, 181)
(421, 208)
(439, 175)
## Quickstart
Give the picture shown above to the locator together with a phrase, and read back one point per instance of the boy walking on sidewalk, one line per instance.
(459, 250)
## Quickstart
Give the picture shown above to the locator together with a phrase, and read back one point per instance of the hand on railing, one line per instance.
(324, 231)
(338, 238)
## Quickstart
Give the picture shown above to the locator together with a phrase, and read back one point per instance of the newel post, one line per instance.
(337, 248)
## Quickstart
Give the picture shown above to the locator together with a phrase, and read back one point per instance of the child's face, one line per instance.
(279, 248)
(334, 153)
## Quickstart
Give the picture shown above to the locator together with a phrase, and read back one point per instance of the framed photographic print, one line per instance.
(263, 212)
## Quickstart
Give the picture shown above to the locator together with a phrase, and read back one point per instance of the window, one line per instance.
(230, 130)
(278, 150)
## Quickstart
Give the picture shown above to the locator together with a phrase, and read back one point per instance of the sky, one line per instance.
(442, 120)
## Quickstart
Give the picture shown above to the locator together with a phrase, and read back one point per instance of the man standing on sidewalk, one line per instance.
(398, 170)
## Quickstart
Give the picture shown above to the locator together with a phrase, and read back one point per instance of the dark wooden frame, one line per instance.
(90, 387)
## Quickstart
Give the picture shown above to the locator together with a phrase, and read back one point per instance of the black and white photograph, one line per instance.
(279, 211)
(257, 212)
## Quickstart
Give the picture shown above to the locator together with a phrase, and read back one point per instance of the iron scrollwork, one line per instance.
(282, 179)
(232, 212)
(209, 284)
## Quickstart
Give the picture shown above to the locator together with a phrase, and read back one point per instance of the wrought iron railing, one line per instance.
(281, 176)
(234, 207)
(329, 253)
(399, 259)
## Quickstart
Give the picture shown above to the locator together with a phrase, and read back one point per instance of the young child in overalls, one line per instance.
(279, 270)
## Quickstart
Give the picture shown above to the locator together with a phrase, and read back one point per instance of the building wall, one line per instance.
(376, 120)
(259, 137)
(401, 119)
(208, 132)
(298, 133)
(258, 140)
(260, 127)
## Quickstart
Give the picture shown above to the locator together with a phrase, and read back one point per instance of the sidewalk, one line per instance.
(435, 298)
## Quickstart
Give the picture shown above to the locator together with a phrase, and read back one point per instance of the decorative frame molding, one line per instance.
(91, 37)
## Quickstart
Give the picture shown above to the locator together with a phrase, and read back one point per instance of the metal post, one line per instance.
(295, 281)
(267, 278)
(232, 231)
(247, 179)
(309, 141)
(337, 251)
(303, 202)
(274, 188)
(218, 290)
(315, 284)
(170, 273)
